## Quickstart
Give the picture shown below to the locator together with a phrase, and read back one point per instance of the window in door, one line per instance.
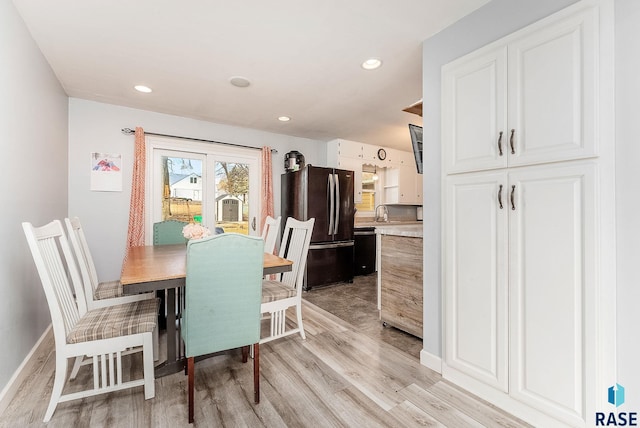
(181, 190)
(211, 184)
(232, 196)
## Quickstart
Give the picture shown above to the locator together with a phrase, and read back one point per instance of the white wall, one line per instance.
(33, 140)
(95, 127)
(496, 19)
(628, 198)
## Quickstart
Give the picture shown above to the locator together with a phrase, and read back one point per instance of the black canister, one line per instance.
(293, 161)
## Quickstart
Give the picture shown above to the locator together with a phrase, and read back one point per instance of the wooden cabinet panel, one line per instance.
(401, 283)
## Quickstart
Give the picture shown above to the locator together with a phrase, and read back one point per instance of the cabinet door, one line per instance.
(401, 283)
(370, 155)
(407, 184)
(552, 288)
(354, 165)
(475, 252)
(552, 98)
(401, 186)
(349, 149)
(474, 112)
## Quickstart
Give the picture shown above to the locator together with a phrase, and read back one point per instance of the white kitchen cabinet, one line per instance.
(552, 292)
(402, 185)
(344, 154)
(527, 280)
(528, 100)
(344, 148)
(476, 278)
(370, 154)
(520, 265)
(405, 186)
(354, 165)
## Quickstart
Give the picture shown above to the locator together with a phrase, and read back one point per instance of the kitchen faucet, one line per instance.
(385, 213)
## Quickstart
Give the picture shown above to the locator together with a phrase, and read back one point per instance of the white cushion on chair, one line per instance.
(276, 290)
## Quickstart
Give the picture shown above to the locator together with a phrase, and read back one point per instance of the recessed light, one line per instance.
(371, 64)
(284, 118)
(239, 81)
(142, 88)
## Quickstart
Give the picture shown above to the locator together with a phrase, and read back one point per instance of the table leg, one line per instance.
(171, 324)
(173, 364)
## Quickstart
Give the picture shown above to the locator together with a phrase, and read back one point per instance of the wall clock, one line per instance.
(382, 154)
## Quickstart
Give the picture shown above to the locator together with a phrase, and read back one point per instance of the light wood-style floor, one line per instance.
(337, 377)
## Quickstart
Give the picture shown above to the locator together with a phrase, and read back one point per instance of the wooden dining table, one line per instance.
(164, 267)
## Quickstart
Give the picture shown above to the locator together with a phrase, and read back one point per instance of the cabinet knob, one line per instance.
(500, 144)
(500, 195)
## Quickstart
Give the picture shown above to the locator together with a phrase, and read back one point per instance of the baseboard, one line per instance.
(431, 361)
(26, 367)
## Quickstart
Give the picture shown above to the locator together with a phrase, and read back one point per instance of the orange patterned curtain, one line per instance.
(135, 233)
(267, 186)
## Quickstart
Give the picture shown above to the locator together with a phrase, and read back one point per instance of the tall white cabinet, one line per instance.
(522, 175)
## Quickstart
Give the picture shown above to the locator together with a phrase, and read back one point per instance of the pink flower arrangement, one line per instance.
(195, 231)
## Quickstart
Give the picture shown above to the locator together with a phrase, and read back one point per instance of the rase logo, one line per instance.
(615, 397)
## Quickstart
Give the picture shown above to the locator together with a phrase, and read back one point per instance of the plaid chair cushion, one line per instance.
(114, 321)
(276, 290)
(108, 290)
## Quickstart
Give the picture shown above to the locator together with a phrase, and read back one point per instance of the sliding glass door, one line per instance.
(215, 185)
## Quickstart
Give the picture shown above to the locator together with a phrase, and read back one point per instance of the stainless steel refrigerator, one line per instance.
(325, 194)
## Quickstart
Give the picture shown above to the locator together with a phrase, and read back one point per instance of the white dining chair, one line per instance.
(98, 294)
(103, 334)
(286, 292)
(270, 232)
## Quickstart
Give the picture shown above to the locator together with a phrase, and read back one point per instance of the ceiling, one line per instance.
(302, 58)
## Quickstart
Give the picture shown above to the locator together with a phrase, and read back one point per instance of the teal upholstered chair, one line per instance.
(222, 306)
(168, 232)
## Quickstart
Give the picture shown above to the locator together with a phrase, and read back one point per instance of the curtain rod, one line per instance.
(129, 131)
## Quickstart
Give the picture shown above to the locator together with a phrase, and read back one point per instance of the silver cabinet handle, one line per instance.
(500, 143)
(500, 195)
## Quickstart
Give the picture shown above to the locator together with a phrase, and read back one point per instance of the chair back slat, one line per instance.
(223, 293)
(58, 274)
(270, 232)
(83, 255)
(168, 232)
(294, 247)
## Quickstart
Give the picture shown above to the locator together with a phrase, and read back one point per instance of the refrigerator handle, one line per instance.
(337, 221)
(331, 202)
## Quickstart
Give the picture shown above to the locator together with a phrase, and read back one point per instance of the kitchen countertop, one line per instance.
(386, 223)
(408, 230)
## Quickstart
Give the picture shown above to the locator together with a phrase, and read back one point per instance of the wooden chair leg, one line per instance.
(190, 370)
(245, 354)
(256, 372)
